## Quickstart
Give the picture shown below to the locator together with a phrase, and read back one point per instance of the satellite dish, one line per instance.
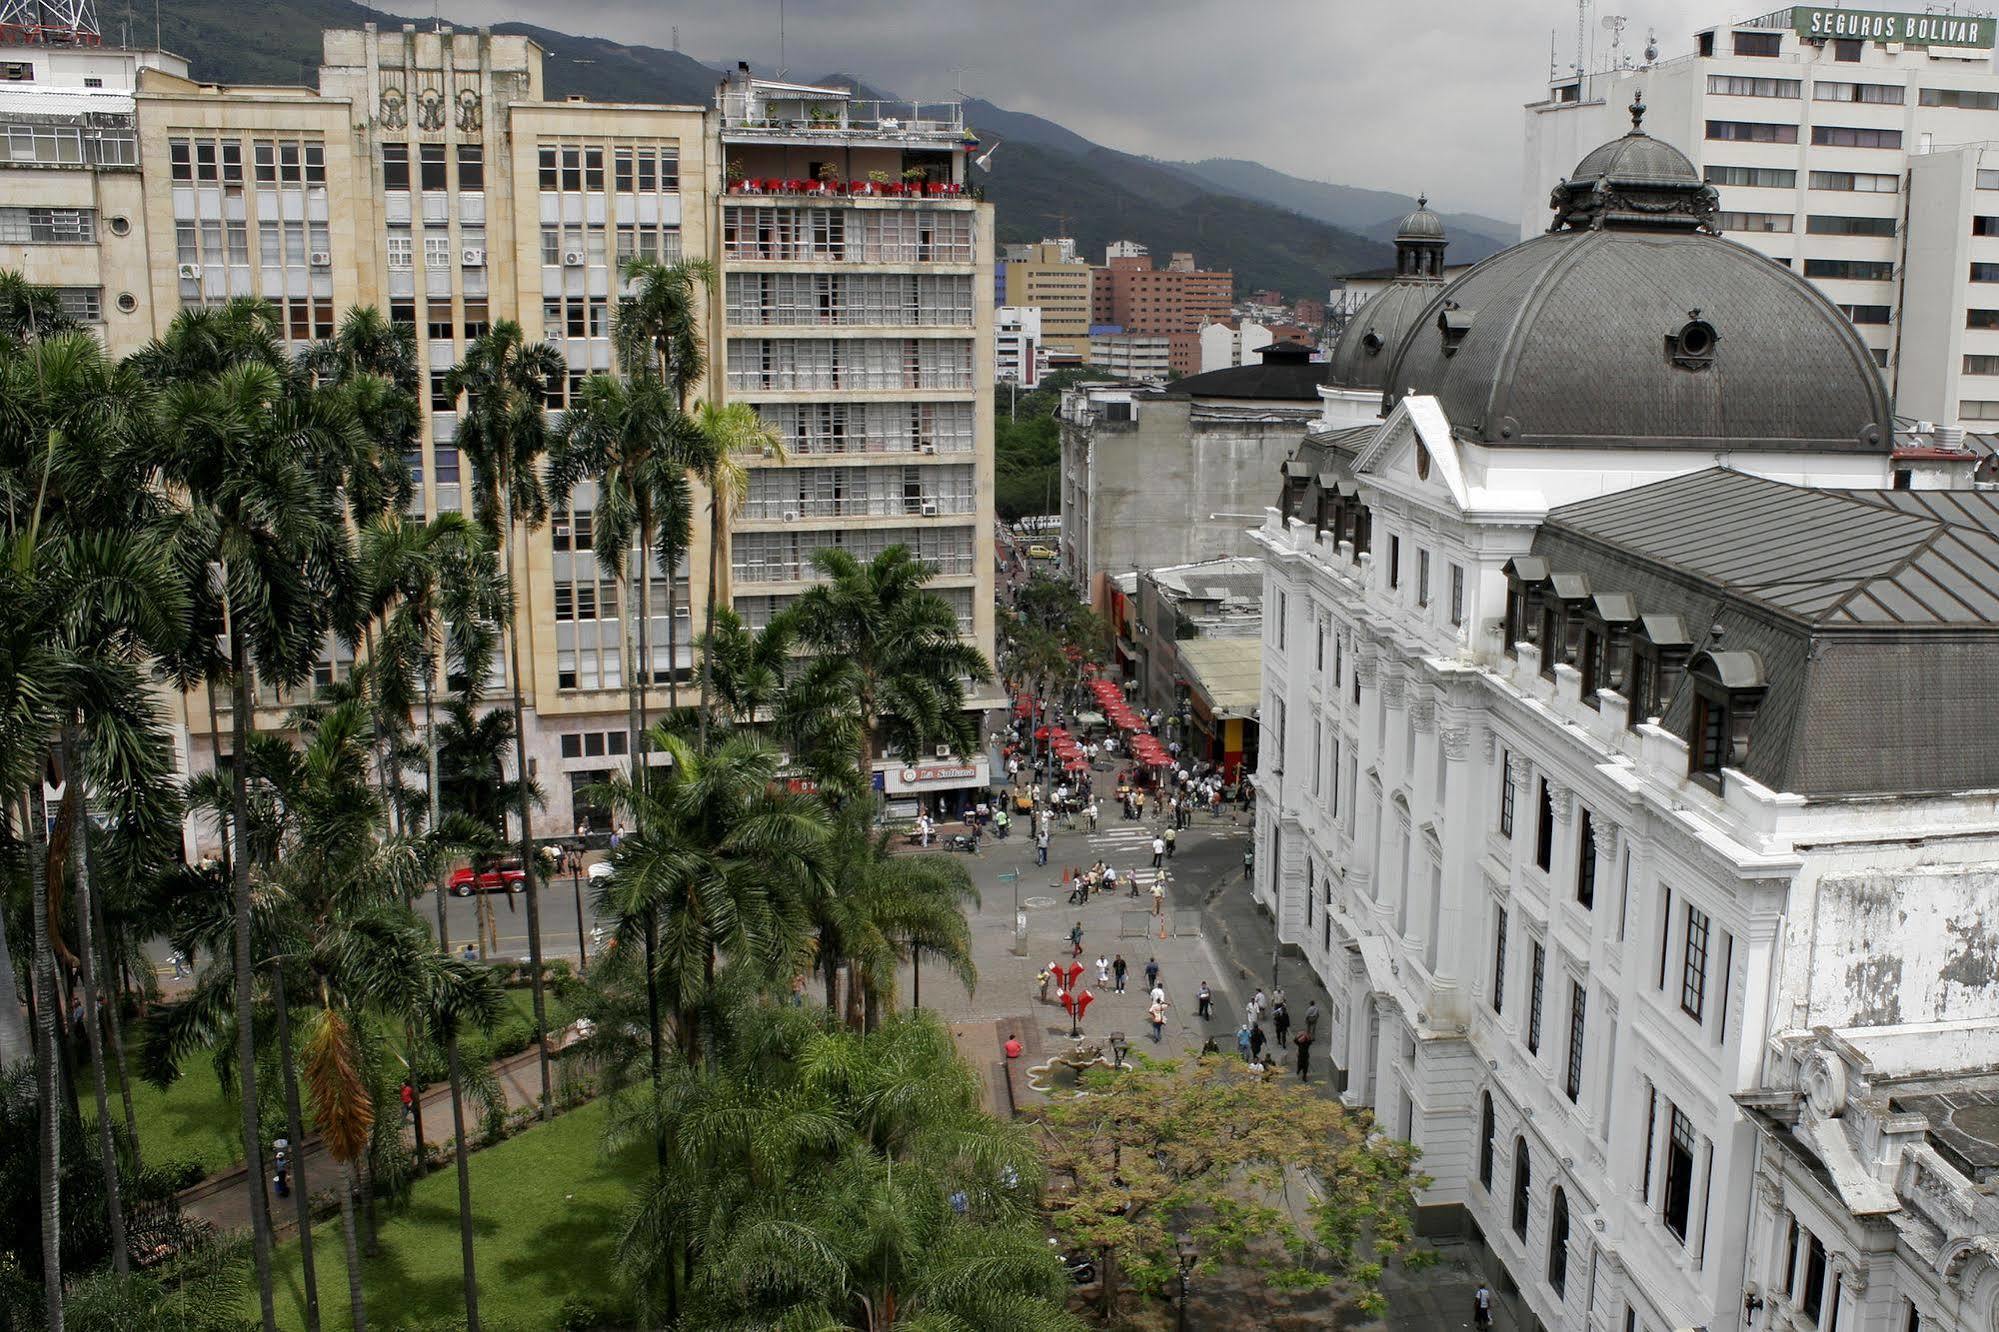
(1651, 46)
(984, 161)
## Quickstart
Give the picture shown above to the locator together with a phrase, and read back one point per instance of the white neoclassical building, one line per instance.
(1628, 715)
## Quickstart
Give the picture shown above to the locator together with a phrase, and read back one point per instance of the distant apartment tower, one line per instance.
(858, 318)
(1017, 346)
(1836, 148)
(1124, 249)
(1132, 355)
(1049, 277)
(1129, 292)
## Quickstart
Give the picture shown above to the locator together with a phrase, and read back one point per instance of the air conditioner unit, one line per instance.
(943, 751)
(322, 259)
(929, 509)
(572, 258)
(475, 258)
(791, 515)
(189, 271)
(928, 448)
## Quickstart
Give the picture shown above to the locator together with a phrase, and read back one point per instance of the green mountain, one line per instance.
(1044, 177)
(1373, 213)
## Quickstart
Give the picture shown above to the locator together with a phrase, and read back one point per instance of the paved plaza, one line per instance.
(1213, 933)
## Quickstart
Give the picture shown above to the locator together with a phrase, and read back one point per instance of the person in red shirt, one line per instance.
(1013, 1047)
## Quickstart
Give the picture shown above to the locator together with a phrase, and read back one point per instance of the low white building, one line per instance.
(1231, 343)
(1620, 723)
(1017, 345)
(1132, 355)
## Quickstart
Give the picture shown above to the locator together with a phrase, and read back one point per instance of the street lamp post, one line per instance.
(1187, 1256)
(576, 886)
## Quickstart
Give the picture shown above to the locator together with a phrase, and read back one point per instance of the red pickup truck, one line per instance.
(507, 876)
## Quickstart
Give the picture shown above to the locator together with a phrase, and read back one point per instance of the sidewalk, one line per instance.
(223, 1199)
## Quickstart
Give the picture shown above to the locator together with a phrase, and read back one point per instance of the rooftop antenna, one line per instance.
(782, 68)
(1651, 46)
(676, 37)
(1614, 24)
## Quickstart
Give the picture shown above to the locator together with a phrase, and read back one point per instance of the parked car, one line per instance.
(1040, 552)
(601, 870)
(507, 875)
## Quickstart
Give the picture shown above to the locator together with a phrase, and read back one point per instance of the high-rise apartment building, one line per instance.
(858, 318)
(428, 175)
(1818, 129)
(1017, 346)
(1129, 292)
(1050, 277)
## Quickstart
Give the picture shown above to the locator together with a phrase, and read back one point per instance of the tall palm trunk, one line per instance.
(115, 1021)
(76, 803)
(35, 814)
(245, 998)
(14, 1038)
(430, 743)
(464, 1179)
(644, 695)
(652, 992)
(673, 634)
(530, 872)
(708, 611)
(356, 1301)
(295, 1126)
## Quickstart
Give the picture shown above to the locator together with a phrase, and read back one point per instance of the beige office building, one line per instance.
(429, 176)
(1050, 277)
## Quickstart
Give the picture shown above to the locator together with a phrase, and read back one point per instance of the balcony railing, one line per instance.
(789, 509)
(837, 191)
(852, 252)
(752, 380)
(773, 112)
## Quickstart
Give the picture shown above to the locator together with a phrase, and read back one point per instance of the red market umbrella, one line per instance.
(1041, 734)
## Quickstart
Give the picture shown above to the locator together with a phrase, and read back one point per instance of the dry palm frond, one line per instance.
(340, 1102)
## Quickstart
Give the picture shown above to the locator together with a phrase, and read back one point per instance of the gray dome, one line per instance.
(1421, 224)
(1368, 344)
(1640, 159)
(1647, 335)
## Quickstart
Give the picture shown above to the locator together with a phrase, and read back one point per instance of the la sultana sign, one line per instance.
(1817, 23)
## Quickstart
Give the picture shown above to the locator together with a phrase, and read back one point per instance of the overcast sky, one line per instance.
(1395, 94)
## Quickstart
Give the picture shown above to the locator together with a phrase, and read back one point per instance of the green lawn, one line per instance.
(546, 1207)
(194, 1118)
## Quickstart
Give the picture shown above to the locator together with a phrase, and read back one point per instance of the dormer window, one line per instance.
(1371, 342)
(1601, 657)
(1453, 323)
(1561, 620)
(1524, 574)
(1728, 689)
(1659, 648)
(1691, 346)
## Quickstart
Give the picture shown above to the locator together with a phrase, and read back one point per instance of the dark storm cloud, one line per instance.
(1393, 94)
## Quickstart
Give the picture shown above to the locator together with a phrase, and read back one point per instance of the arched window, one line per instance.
(1558, 1242)
(1485, 1140)
(1523, 1179)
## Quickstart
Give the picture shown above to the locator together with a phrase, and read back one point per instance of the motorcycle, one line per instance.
(1082, 1271)
(966, 842)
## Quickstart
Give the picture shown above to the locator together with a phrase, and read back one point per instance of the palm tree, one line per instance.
(874, 910)
(254, 455)
(462, 997)
(889, 650)
(747, 666)
(818, 1173)
(723, 859)
(728, 433)
(659, 321)
(506, 381)
(629, 436)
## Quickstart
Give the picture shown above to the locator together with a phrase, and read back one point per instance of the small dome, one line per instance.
(1368, 344)
(1422, 224)
(1638, 158)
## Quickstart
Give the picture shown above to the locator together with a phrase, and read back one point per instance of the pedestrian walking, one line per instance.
(1157, 1014)
(1076, 940)
(1204, 1000)
(1151, 972)
(1158, 851)
(1481, 1306)
(1257, 1040)
(1172, 836)
(1312, 1018)
(180, 965)
(1280, 1017)
(1304, 1044)
(1041, 979)
(1258, 1002)
(1041, 846)
(1248, 862)
(1117, 971)
(1242, 1042)
(281, 1167)
(409, 1100)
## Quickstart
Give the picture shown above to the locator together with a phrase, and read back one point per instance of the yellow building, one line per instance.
(1051, 277)
(428, 175)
